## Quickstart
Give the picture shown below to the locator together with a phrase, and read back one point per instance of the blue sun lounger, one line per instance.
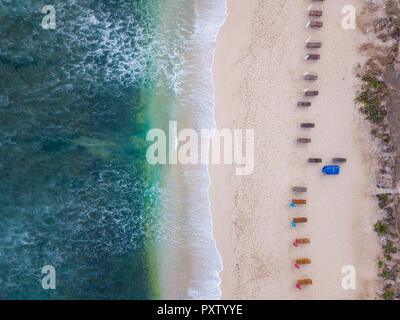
(331, 170)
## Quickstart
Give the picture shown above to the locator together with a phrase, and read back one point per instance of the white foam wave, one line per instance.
(192, 262)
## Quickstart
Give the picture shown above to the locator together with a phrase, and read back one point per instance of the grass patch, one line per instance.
(381, 228)
(371, 79)
(388, 295)
(385, 138)
(383, 197)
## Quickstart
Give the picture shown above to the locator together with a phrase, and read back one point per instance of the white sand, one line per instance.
(258, 72)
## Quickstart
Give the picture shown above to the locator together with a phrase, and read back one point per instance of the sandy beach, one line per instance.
(258, 76)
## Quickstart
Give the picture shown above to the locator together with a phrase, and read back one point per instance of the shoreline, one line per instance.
(189, 258)
(251, 216)
(224, 174)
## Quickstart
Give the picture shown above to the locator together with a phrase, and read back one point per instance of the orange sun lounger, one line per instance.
(304, 281)
(303, 241)
(300, 220)
(299, 201)
(303, 261)
(311, 93)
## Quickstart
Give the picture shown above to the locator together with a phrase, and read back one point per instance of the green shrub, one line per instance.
(381, 228)
(388, 295)
(371, 80)
(383, 196)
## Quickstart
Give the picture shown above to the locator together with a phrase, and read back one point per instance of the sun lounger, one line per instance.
(303, 261)
(308, 125)
(303, 140)
(299, 201)
(311, 93)
(300, 220)
(314, 160)
(312, 56)
(303, 241)
(315, 13)
(299, 189)
(339, 160)
(314, 24)
(310, 76)
(304, 282)
(314, 44)
(304, 104)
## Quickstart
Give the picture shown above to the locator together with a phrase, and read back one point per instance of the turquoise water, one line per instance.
(75, 106)
(75, 192)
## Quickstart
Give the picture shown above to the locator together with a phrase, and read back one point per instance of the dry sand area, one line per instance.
(258, 75)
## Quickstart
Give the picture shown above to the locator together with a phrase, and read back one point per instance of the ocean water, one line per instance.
(76, 191)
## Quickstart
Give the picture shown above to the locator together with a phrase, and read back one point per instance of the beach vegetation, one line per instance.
(390, 248)
(383, 196)
(388, 295)
(371, 79)
(385, 138)
(382, 204)
(370, 98)
(381, 228)
(373, 111)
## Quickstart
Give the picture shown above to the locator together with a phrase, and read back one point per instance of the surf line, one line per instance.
(195, 148)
